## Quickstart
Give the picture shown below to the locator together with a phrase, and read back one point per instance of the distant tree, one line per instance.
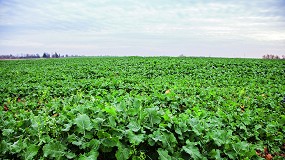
(31, 56)
(271, 56)
(46, 55)
(7, 56)
(55, 55)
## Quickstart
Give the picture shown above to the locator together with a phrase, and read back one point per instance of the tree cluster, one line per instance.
(55, 55)
(26, 56)
(271, 56)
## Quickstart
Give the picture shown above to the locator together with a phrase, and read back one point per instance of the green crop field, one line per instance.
(142, 108)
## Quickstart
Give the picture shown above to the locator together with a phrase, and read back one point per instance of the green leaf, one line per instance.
(67, 127)
(122, 153)
(93, 144)
(121, 107)
(91, 155)
(167, 115)
(54, 149)
(178, 130)
(182, 126)
(220, 137)
(240, 147)
(231, 154)
(7, 132)
(18, 146)
(163, 154)
(137, 103)
(70, 155)
(110, 142)
(83, 122)
(134, 126)
(4, 147)
(168, 141)
(102, 134)
(133, 111)
(98, 122)
(215, 153)
(196, 126)
(111, 110)
(45, 139)
(135, 139)
(192, 150)
(156, 136)
(31, 151)
(154, 117)
(112, 121)
(74, 140)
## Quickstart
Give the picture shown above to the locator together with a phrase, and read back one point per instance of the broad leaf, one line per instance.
(111, 110)
(67, 127)
(70, 155)
(7, 132)
(31, 151)
(83, 122)
(110, 142)
(163, 154)
(215, 153)
(134, 126)
(54, 149)
(135, 139)
(154, 117)
(122, 153)
(91, 155)
(192, 150)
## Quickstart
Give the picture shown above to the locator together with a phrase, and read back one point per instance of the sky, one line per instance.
(215, 28)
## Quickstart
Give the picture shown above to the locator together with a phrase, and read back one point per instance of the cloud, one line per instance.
(135, 26)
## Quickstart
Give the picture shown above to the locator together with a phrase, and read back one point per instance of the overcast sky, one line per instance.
(217, 28)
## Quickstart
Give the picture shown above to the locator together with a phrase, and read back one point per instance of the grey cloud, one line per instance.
(158, 24)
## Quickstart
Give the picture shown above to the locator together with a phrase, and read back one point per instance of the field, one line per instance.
(142, 108)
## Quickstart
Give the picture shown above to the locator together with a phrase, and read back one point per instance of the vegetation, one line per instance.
(30, 56)
(142, 108)
(271, 56)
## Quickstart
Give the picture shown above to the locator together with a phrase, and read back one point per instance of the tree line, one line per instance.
(271, 56)
(28, 56)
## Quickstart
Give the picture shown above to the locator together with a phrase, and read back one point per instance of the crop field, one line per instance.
(142, 108)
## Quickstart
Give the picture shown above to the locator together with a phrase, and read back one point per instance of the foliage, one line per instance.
(142, 108)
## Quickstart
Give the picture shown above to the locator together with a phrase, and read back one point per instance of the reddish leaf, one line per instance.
(283, 147)
(258, 152)
(5, 107)
(266, 151)
(268, 157)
